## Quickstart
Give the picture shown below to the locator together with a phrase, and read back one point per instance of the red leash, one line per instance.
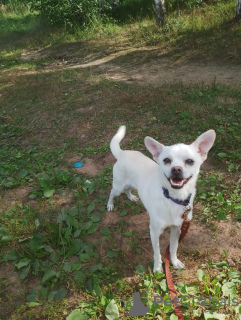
(173, 293)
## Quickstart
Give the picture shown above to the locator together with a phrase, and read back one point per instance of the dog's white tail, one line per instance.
(115, 142)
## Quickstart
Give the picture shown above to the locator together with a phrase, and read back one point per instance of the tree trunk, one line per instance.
(161, 12)
(238, 10)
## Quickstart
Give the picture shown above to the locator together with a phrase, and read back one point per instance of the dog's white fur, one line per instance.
(135, 170)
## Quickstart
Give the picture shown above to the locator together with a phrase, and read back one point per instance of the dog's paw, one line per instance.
(158, 267)
(110, 206)
(134, 198)
(178, 264)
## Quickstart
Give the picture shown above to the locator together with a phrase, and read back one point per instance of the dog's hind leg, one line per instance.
(131, 196)
(174, 239)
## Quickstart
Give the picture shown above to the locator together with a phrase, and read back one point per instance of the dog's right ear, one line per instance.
(204, 143)
(154, 147)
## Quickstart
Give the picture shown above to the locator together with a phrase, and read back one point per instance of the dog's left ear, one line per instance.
(153, 146)
(204, 143)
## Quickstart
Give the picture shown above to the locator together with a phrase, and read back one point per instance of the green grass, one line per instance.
(53, 243)
(54, 231)
(206, 32)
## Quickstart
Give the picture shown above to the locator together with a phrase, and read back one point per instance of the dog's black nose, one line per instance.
(176, 170)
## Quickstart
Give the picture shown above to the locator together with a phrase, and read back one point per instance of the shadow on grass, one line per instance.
(24, 31)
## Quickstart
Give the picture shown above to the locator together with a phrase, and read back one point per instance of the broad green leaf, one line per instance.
(37, 223)
(222, 155)
(200, 274)
(74, 315)
(104, 301)
(23, 173)
(105, 231)
(213, 315)
(84, 257)
(75, 248)
(229, 289)
(191, 289)
(123, 213)
(49, 275)
(238, 207)
(206, 289)
(159, 274)
(163, 285)
(72, 222)
(77, 233)
(92, 229)
(128, 233)
(23, 263)
(32, 297)
(173, 317)
(61, 294)
(140, 269)
(51, 296)
(48, 193)
(65, 176)
(25, 272)
(111, 311)
(182, 288)
(54, 257)
(86, 225)
(75, 265)
(48, 249)
(235, 276)
(7, 238)
(220, 197)
(220, 264)
(73, 211)
(67, 267)
(95, 217)
(93, 287)
(90, 207)
(34, 304)
(44, 292)
(77, 314)
(111, 253)
(10, 256)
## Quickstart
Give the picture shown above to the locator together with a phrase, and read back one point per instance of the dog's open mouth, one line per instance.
(178, 183)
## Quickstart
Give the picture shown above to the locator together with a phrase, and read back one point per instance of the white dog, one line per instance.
(166, 188)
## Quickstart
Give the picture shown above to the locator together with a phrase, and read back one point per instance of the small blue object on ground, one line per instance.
(78, 164)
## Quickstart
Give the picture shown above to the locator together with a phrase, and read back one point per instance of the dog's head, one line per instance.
(180, 163)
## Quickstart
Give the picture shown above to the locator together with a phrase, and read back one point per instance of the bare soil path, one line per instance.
(144, 65)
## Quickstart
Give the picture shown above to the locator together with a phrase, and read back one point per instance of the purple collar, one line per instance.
(181, 202)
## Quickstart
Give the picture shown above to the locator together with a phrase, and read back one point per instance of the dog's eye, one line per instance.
(189, 162)
(167, 161)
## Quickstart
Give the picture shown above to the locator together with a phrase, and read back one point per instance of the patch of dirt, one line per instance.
(16, 195)
(12, 197)
(12, 289)
(94, 165)
(148, 65)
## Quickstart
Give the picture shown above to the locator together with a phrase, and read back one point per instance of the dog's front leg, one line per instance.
(155, 233)
(174, 239)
